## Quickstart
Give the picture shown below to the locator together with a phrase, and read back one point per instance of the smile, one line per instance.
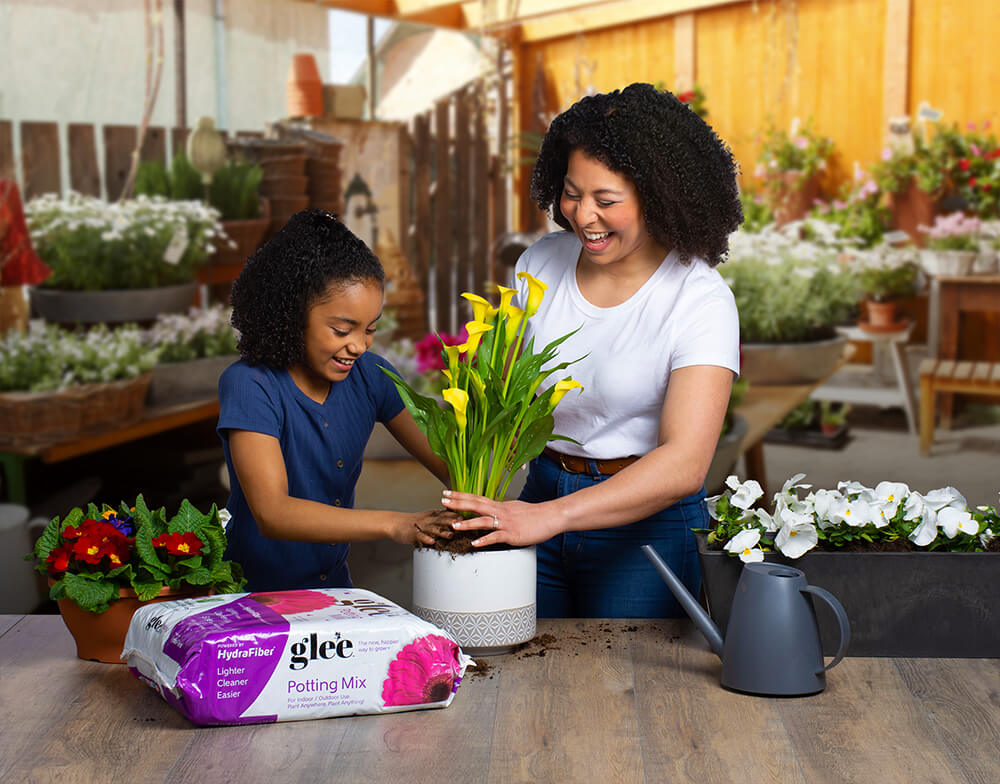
(595, 241)
(345, 363)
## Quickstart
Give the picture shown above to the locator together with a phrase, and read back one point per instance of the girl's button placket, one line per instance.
(336, 502)
(340, 464)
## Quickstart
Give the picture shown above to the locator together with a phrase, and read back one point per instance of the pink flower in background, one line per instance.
(429, 349)
(424, 671)
(290, 602)
(886, 154)
(801, 142)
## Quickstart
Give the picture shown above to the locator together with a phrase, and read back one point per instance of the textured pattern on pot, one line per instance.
(485, 600)
(290, 655)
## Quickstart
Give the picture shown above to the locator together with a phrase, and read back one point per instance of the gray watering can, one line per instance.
(772, 644)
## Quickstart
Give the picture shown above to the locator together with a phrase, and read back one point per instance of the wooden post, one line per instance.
(180, 66)
(482, 241)
(443, 265)
(896, 68)
(7, 150)
(684, 53)
(463, 193)
(422, 199)
(84, 171)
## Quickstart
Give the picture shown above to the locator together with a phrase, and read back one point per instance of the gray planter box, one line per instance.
(921, 604)
(117, 306)
(790, 363)
(181, 382)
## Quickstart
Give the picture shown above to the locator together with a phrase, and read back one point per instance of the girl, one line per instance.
(300, 405)
(647, 195)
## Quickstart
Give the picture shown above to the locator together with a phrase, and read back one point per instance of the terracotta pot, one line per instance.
(829, 428)
(881, 314)
(305, 87)
(793, 196)
(101, 636)
(911, 208)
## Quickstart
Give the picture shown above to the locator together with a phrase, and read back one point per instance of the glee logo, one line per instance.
(311, 649)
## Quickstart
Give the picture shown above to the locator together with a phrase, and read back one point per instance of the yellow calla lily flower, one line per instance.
(480, 306)
(447, 375)
(452, 353)
(476, 330)
(506, 295)
(514, 317)
(560, 389)
(536, 290)
(459, 400)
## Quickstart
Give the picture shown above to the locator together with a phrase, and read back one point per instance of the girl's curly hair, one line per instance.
(289, 274)
(684, 173)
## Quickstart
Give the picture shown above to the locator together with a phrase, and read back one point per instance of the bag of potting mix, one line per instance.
(288, 655)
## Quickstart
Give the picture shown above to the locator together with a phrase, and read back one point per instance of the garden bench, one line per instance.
(949, 376)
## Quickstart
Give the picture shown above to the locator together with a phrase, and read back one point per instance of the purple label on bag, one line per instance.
(239, 645)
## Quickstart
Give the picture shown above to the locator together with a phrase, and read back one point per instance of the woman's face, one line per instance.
(339, 329)
(603, 208)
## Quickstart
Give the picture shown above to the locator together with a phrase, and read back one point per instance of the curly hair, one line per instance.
(684, 173)
(289, 274)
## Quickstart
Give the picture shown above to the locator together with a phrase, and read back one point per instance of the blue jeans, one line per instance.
(603, 573)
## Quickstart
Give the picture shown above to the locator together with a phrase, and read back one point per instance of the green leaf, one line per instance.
(91, 593)
(187, 519)
(199, 576)
(145, 591)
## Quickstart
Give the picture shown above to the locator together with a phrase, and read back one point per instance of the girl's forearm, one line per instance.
(296, 519)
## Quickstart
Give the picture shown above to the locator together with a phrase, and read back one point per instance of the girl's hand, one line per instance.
(423, 527)
(510, 522)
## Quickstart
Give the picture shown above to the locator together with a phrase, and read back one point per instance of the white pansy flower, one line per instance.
(710, 501)
(854, 513)
(926, 532)
(853, 488)
(797, 534)
(763, 518)
(745, 494)
(823, 501)
(745, 544)
(888, 497)
(986, 536)
(951, 520)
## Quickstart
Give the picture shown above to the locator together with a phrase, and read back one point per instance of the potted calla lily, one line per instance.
(492, 418)
(914, 571)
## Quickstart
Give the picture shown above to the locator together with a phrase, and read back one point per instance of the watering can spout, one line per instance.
(690, 604)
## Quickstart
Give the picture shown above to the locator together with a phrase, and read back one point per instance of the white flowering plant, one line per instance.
(47, 357)
(885, 272)
(199, 334)
(788, 290)
(889, 516)
(93, 245)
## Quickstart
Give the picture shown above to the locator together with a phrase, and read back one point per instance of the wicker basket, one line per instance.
(40, 417)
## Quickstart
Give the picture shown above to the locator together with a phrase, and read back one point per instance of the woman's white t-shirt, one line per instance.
(683, 315)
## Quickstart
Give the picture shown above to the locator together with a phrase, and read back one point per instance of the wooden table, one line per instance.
(609, 701)
(950, 297)
(155, 419)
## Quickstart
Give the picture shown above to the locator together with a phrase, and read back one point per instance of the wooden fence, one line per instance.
(452, 190)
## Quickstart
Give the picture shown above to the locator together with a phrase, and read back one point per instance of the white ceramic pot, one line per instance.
(985, 262)
(485, 600)
(947, 263)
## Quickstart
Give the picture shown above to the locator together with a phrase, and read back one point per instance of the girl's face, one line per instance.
(339, 329)
(603, 208)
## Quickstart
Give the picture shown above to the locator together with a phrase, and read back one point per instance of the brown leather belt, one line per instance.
(581, 465)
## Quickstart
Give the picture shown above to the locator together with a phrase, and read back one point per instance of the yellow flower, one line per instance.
(459, 400)
(514, 317)
(560, 389)
(476, 330)
(536, 290)
(447, 375)
(506, 295)
(480, 306)
(452, 353)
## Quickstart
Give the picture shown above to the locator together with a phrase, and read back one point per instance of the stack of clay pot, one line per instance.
(323, 170)
(285, 184)
(304, 88)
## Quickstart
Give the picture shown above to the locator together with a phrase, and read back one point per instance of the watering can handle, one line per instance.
(838, 610)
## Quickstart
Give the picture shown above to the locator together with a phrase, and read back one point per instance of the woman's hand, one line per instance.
(509, 522)
(423, 527)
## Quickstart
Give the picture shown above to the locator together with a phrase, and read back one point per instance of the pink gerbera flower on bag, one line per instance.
(424, 671)
(291, 602)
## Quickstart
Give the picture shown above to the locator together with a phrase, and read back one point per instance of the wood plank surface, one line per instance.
(119, 143)
(40, 156)
(7, 167)
(588, 700)
(566, 712)
(443, 264)
(422, 226)
(84, 171)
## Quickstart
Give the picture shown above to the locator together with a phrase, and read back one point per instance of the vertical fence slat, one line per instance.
(7, 170)
(84, 171)
(154, 145)
(40, 158)
(119, 142)
(422, 202)
(403, 162)
(463, 224)
(178, 140)
(482, 241)
(443, 266)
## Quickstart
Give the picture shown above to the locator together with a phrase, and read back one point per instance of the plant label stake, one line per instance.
(772, 646)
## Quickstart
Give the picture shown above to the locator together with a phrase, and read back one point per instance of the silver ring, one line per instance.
(496, 523)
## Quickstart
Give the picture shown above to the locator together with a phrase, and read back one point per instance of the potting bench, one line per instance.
(156, 419)
(591, 700)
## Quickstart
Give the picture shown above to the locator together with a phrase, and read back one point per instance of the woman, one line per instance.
(647, 195)
(300, 405)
